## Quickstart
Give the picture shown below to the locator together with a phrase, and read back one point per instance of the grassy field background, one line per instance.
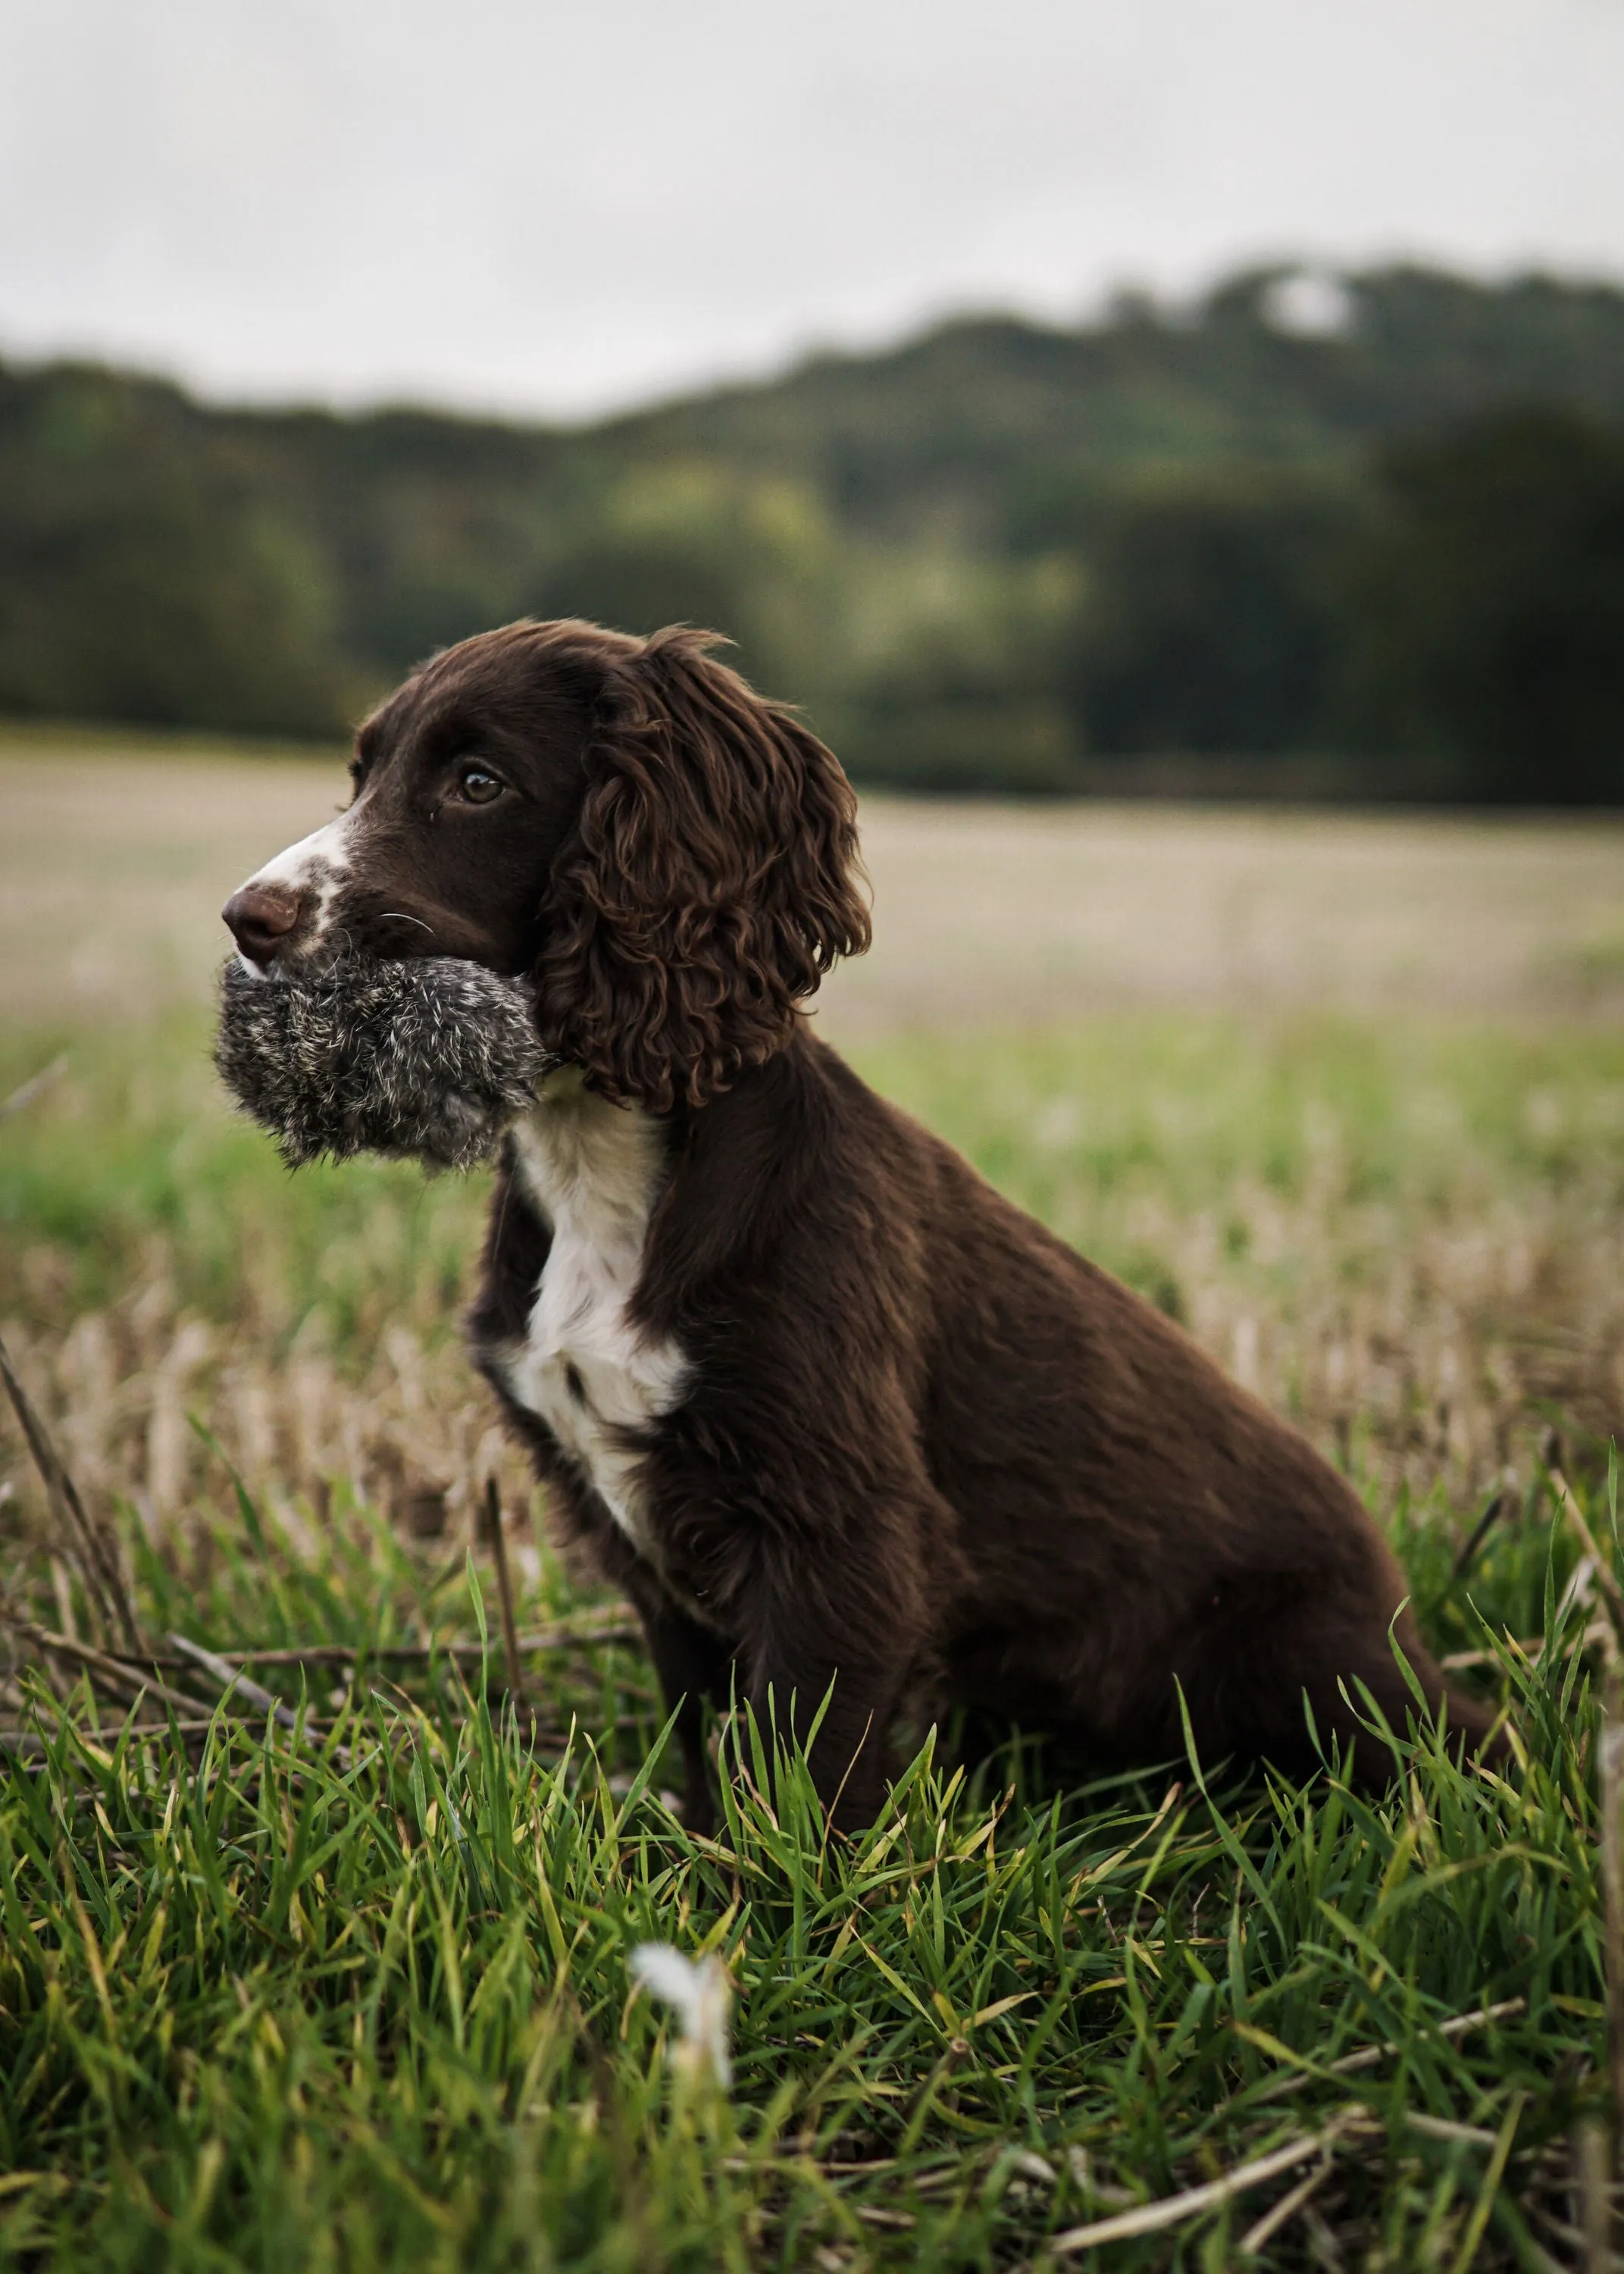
(1344, 1094)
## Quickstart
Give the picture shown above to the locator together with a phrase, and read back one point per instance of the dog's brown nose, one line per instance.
(261, 916)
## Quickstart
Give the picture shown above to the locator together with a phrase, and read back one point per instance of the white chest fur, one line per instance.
(593, 1171)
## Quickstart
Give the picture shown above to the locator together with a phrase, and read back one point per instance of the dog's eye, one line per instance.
(477, 787)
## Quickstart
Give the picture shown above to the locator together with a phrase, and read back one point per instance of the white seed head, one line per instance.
(699, 1995)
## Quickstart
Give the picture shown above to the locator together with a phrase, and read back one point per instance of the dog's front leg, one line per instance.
(790, 1663)
(693, 1665)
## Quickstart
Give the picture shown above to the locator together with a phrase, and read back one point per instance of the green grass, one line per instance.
(136, 1146)
(261, 2006)
(1091, 1128)
(364, 2002)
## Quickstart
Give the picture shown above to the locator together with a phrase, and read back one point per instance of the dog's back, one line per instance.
(1106, 1518)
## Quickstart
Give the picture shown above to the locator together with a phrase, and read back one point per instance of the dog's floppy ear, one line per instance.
(711, 882)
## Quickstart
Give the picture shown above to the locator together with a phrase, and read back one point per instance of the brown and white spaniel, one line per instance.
(827, 1407)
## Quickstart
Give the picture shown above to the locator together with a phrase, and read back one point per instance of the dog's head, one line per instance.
(673, 858)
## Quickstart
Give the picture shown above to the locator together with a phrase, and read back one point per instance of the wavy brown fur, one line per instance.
(709, 884)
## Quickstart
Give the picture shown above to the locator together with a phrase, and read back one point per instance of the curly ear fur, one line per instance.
(711, 882)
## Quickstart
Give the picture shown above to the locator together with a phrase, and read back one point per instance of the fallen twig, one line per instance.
(36, 1086)
(1606, 1579)
(1610, 1799)
(587, 1628)
(1364, 2057)
(1460, 1661)
(29, 1741)
(504, 1589)
(1444, 2128)
(131, 1679)
(96, 1556)
(1292, 2201)
(136, 1682)
(1610, 1833)
(234, 1682)
(1595, 2195)
(231, 1676)
(1149, 2218)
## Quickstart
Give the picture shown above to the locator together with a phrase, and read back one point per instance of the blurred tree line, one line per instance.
(1383, 554)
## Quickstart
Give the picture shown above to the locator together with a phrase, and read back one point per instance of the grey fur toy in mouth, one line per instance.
(429, 1059)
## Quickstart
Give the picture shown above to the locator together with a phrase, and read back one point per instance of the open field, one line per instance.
(114, 864)
(1346, 1096)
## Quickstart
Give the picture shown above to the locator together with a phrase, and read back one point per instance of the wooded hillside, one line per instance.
(1384, 560)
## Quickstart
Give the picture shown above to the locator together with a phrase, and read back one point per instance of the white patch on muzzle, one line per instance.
(314, 868)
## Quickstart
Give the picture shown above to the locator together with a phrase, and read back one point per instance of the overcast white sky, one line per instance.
(552, 208)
